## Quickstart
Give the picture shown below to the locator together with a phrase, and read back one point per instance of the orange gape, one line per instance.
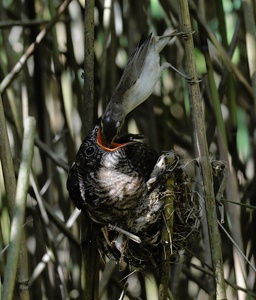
(113, 146)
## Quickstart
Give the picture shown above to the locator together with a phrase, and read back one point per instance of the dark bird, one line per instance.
(122, 191)
(108, 183)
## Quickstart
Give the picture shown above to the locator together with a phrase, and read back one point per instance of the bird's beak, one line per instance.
(112, 146)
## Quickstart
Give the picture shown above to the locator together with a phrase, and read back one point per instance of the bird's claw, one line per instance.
(191, 80)
(184, 34)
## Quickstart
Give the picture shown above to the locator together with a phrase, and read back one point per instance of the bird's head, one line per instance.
(110, 128)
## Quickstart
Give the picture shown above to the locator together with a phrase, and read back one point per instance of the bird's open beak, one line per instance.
(112, 147)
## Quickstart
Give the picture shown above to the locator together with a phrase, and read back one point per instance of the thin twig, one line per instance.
(53, 156)
(106, 276)
(8, 24)
(250, 36)
(19, 65)
(19, 211)
(238, 248)
(195, 100)
(210, 273)
(226, 59)
(167, 233)
(90, 257)
(47, 257)
(7, 162)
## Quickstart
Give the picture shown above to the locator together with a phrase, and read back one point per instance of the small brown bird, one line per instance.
(137, 83)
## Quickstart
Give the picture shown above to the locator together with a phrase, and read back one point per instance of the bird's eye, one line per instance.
(90, 151)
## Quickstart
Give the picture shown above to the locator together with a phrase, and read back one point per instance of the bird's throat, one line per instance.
(112, 147)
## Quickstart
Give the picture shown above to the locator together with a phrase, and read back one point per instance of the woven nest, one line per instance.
(172, 206)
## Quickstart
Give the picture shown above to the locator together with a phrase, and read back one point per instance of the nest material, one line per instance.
(169, 195)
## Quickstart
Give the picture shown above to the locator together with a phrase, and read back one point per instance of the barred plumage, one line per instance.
(107, 184)
(123, 191)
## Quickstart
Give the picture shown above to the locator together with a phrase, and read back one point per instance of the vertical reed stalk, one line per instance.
(195, 100)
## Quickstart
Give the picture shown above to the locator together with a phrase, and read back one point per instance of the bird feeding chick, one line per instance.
(137, 83)
(120, 183)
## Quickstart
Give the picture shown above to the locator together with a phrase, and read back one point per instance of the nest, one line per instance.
(168, 205)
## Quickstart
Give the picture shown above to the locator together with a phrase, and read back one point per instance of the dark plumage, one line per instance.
(122, 189)
(108, 183)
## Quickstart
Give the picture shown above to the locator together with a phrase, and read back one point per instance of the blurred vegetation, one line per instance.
(48, 85)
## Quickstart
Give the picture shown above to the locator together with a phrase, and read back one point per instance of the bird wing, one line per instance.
(73, 187)
(134, 68)
(142, 159)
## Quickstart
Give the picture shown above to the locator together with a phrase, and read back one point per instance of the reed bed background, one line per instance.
(59, 64)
